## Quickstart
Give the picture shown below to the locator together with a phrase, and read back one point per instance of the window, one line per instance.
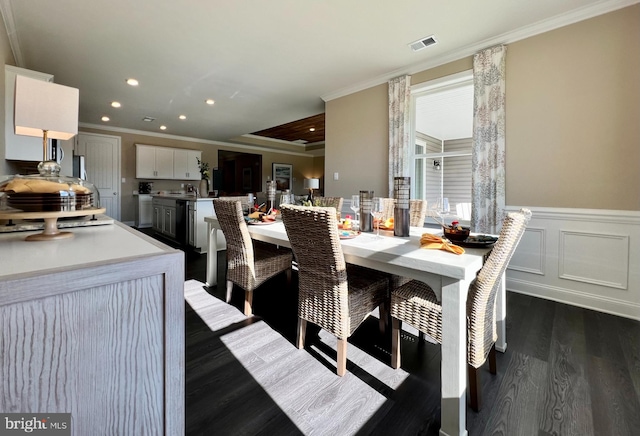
(443, 131)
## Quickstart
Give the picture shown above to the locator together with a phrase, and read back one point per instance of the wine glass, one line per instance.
(355, 207)
(377, 210)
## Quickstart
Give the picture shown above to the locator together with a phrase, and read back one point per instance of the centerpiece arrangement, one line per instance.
(203, 189)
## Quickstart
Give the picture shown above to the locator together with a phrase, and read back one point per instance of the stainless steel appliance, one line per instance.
(79, 167)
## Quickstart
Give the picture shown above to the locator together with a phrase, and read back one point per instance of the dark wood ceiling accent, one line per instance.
(296, 130)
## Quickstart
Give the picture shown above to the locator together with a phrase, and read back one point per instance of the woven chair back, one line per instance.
(417, 212)
(240, 253)
(323, 287)
(335, 202)
(481, 302)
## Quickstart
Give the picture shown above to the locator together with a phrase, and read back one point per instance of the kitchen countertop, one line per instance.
(182, 197)
(114, 242)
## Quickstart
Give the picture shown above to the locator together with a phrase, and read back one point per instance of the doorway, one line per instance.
(102, 161)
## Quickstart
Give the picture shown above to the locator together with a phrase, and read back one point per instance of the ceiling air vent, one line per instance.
(148, 119)
(422, 43)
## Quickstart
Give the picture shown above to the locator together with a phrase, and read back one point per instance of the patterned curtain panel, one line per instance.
(399, 125)
(488, 173)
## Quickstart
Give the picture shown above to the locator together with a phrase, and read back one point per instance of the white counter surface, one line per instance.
(89, 244)
(182, 197)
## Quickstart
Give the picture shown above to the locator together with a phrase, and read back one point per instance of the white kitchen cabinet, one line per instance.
(185, 164)
(154, 162)
(144, 211)
(19, 147)
(197, 228)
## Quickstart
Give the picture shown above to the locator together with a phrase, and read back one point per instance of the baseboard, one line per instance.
(574, 298)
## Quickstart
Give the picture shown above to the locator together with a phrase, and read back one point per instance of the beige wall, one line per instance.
(573, 105)
(573, 115)
(303, 166)
(356, 138)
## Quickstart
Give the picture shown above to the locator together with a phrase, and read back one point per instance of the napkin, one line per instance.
(385, 225)
(432, 241)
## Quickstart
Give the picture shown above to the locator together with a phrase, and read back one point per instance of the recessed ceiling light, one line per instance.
(209, 101)
(105, 118)
(313, 129)
(115, 104)
(183, 117)
(148, 119)
(132, 82)
(163, 127)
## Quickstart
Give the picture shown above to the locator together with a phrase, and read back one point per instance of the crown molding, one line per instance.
(543, 26)
(196, 140)
(10, 25)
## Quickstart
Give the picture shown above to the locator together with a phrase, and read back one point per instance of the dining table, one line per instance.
(448, 274)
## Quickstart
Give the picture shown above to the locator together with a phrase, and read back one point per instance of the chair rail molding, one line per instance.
(583, 257)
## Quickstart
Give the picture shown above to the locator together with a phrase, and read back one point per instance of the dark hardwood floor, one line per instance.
(567, 371)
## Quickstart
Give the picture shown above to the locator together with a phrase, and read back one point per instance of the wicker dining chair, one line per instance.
(249, 264)
(332, 294)
(416, 304)
(335, 202)
(417, 211)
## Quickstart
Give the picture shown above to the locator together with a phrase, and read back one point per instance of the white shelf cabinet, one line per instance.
(154, 162)
(185, 164)
(197, 228)
(19, 147)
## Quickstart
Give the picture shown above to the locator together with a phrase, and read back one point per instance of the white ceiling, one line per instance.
(265, 63)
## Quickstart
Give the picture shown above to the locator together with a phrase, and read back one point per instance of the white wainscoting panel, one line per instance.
(584, 257)
(594, 258)
(530, 256)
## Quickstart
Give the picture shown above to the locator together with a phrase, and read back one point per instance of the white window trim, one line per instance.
(442, 83)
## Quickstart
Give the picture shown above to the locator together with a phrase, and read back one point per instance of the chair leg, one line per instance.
(342, 356)
(248, 301)
(384, 315)
(492, 360)
(302, 332)
(229, 289)
(474, 388)
(396, 326)
(420, 337)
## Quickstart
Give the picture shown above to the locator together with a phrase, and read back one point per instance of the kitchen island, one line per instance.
(94, 326)
(180, 218)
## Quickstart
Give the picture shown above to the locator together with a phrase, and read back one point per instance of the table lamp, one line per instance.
(311, 184)
(47, 110)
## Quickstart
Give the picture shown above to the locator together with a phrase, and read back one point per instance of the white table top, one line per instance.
(396, 252)
(396, 255)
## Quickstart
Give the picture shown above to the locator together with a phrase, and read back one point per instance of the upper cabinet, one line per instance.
(185, 164)
(154, 162)
(19, 147)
